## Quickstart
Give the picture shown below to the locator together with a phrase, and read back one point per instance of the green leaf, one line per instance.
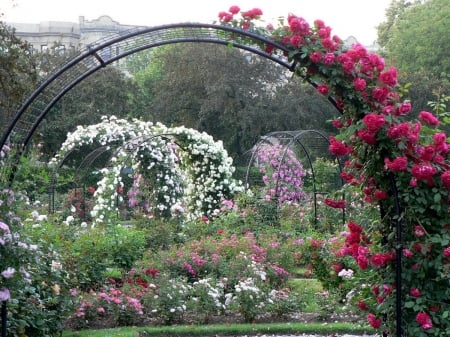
(409, 304)
(437, 197)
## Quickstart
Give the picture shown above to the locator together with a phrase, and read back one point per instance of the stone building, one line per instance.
(64, 36)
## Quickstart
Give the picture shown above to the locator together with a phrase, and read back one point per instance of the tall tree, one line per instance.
(419, 39)
(106, 92)
(17, 73)
(234, 96)
(415, 38)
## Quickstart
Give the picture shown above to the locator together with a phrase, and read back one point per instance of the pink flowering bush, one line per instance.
(282, 174)
(400, 164)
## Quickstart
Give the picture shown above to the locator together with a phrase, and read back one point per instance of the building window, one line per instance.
(60, 50)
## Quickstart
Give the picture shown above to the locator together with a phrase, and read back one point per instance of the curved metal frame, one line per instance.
(107, 51)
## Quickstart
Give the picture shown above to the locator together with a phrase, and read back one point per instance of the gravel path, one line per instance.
(309, 335)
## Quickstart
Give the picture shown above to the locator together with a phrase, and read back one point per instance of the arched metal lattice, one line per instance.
(102, 153)
(106, 51)
(295, 166)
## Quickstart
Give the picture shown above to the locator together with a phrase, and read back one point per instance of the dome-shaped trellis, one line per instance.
(294, 167)
(178, 155)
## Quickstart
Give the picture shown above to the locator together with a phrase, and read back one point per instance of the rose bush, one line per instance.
(400, 164)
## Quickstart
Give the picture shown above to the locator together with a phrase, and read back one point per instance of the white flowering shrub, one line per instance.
(177, 166)
(207, 298)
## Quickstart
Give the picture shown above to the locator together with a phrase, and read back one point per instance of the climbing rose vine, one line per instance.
(401, 165)
(180, 166)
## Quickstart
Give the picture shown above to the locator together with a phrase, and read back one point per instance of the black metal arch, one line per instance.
(298, 138)
(106, 51)
(81, 170)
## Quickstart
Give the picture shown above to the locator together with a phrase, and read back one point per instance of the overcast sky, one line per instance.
(356, 18)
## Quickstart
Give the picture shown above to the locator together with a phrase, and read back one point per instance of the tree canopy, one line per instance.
(17, 72)
(234, 96)
(414, 38)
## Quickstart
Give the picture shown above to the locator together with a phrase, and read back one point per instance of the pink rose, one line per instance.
(424, 320)
(446, 252)
(398, 164)
(316, 57)
(323, 89)
(374, 122)
(429, 118)
(389, 77)
(359, 84)
(415, 292)
(445, 177)
(234, 9)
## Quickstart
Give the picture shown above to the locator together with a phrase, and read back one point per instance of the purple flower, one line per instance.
(5, 295)
(8, 273)
(4, 227)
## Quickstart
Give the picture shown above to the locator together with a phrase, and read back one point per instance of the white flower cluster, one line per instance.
(215, 293)
(199, 164)
(346, 274)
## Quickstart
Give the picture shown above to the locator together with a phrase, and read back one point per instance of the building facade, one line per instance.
(64, 36)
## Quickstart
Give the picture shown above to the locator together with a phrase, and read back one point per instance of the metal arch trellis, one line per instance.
(130, 146)
(106, 51)
(84, 165)
(307, 141)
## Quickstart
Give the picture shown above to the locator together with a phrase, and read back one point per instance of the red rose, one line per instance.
(234, 9)
(415, 292)
(328, 58)
(379, 260)
(445, 177)
(359, 84)
(424, 320)
(380, 93)
(225, 17)
(363, 262)
(338, 148)
(380, 195)
(389, 77)
(404, 108)
(423, 172)
(315, 57)
(362, 305)
(296, 41)
(367, 136)
(398, 164)
(373, 321)
(354, 227)
(374, 122)
(323, 89)
(428, 118)
(335, 203)
(398, 130)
